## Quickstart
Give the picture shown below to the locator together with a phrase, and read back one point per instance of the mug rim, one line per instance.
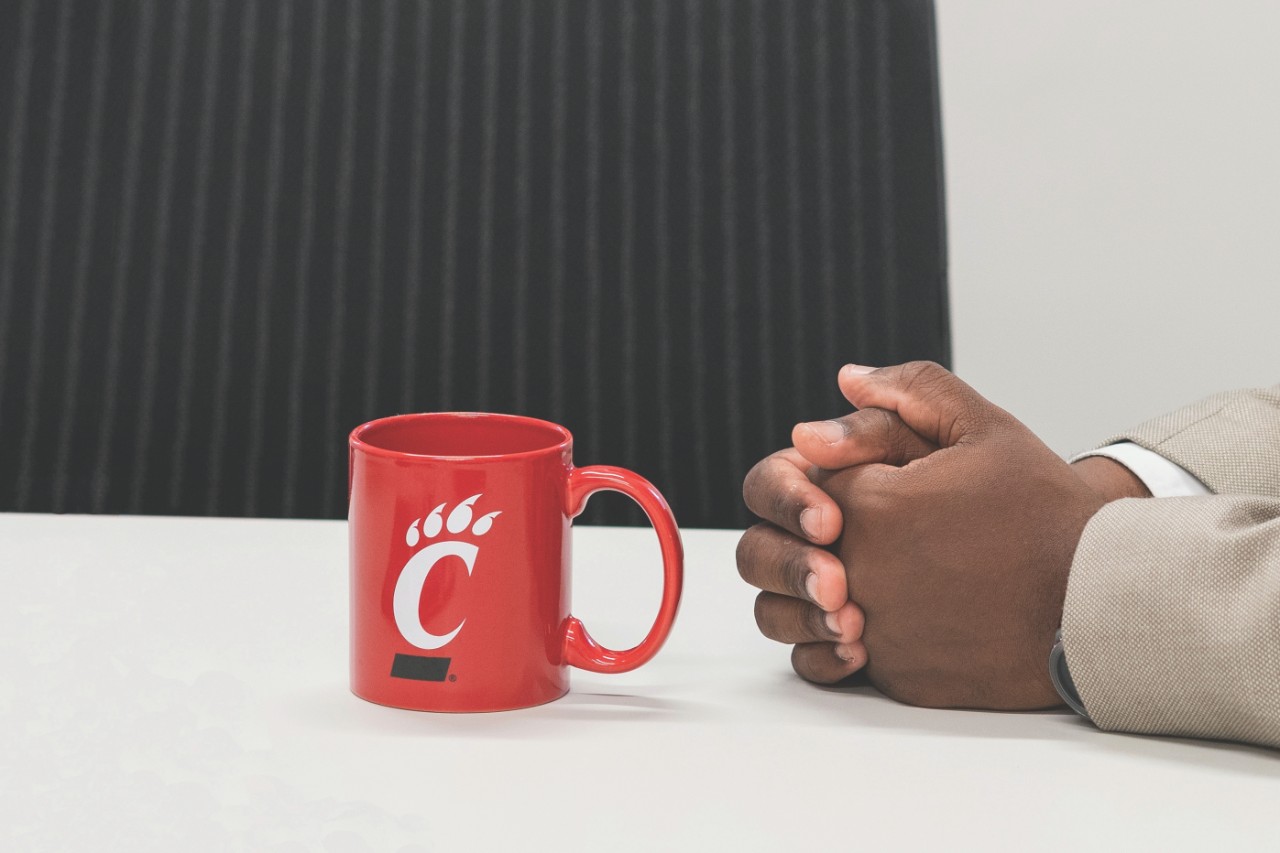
(358, 442)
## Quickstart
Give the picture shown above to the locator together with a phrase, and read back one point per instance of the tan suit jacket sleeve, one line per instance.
(1172, 616)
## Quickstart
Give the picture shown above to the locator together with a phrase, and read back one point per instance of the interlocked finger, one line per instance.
(790, 620)
(827, 663)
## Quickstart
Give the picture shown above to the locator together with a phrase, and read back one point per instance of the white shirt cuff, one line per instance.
(1164, 479)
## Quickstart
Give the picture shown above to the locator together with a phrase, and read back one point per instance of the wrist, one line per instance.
(1091, 493)
(1109, 478)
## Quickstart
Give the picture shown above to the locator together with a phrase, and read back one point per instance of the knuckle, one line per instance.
(868, 423)
(795, 570)
(769, 492)
(899, 443)
(925, 369)
(762, 615)
(774, 617)
(745, 552)
(927, 376)
(889, 427)
(785, 505)
(761, 474)
(900, 451)
(791, 494)
(802, 663)
(751, 482)
(885, 420)
(771, 617)
(770, 559)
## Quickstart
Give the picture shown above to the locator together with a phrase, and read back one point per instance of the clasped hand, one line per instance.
(926, 538)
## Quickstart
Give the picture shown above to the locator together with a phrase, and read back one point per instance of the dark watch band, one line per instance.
(1061, 677)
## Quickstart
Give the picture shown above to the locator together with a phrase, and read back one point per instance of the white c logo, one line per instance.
(409, 591)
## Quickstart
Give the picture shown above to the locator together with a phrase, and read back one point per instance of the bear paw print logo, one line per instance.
(413, 576)
(458, 521)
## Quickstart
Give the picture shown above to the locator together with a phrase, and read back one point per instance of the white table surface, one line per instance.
(178, 683)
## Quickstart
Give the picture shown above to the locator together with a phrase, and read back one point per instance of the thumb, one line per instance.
(930, 399)
(865, 436)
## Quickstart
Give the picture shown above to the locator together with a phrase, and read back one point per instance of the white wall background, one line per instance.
(1113, 180)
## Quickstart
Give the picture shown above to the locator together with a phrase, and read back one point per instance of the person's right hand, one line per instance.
(804, 599)
(959, 559)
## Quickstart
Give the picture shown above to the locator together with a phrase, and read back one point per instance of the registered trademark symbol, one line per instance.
(453, 678)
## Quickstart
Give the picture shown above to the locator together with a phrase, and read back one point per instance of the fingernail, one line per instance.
(833, 623)
(811, 587)
(857, 369)
(829, 432)
(846, 652)
(809, 520)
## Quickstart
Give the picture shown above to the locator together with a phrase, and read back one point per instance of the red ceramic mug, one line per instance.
(460, 561)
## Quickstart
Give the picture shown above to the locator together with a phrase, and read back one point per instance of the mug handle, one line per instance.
(580, 649)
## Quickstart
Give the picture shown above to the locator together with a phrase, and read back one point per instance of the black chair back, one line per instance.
(231, 230)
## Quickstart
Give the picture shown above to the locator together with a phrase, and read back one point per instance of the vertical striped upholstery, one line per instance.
(231, 230)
